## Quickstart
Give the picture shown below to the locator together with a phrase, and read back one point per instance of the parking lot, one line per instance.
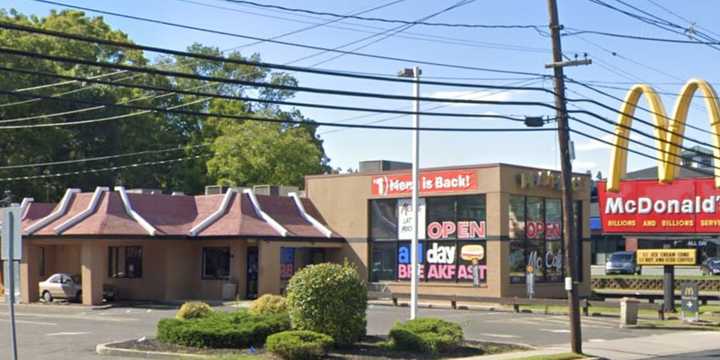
(71, 332)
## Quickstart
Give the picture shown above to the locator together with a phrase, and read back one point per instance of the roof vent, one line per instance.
(178, 193)
(144, 191)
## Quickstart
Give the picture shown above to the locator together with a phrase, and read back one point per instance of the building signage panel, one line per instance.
(405, 219)
(667, 257)
(646, 206)
(430, 182)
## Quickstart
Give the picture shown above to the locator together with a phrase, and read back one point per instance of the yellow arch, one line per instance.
(671, 130)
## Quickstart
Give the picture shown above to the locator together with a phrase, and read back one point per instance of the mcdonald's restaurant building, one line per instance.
(481, 226)
(503, 217)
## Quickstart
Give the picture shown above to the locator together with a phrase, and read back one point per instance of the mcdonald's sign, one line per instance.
(665, 205)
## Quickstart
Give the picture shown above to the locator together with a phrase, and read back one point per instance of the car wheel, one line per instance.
(47, 297)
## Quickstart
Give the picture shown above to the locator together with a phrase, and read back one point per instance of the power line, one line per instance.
(247, 117)
(105, 157)
(284, 87)
(229, 97)
(385, 34)
(359, 27)
(195, 28)
(575, 32)
(315, 26)
(105, 169)
(538, 28)
(95, 40)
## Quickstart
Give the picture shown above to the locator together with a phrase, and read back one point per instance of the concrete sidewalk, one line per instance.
(648, 347)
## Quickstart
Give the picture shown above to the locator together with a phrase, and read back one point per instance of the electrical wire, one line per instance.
(380, 36)
(229, 97)
(155, 71)
(105, 157)
(316, 25)
(537, 28)
(105, 169)
(243, 117)
(362, 28)
(218, 32)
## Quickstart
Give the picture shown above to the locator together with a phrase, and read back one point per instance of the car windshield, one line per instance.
(621, 257)
(75, 279)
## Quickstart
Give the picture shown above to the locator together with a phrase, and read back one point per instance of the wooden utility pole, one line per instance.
(570, 237)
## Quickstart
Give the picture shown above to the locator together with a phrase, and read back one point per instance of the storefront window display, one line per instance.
(454, 236)
(535, 232)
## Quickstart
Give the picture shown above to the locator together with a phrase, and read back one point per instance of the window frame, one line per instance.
(114, 265)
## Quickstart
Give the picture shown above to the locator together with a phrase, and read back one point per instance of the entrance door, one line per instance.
(252, 272)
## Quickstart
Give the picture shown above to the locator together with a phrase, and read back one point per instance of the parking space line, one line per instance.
(504, 336)
(67, 333)
(29, 322)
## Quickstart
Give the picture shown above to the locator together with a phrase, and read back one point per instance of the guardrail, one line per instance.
(515, 302)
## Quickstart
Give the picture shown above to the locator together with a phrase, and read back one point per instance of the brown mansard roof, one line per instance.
(174, 215)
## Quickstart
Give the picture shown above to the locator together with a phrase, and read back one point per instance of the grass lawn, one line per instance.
(679, 325)
(563, 356)
(707, 312)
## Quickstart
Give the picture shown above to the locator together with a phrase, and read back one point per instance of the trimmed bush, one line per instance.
(222, 330)
(426, 335)
(329, 299)
(269, 304)
(299, 345)
(193, 310)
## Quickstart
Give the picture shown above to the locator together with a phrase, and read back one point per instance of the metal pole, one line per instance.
(415, 192)
(668, 286)
(11, 282)
(566, 173)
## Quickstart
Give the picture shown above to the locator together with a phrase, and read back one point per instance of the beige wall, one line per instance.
(343, 202)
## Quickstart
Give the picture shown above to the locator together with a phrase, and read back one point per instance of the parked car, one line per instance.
(67, 286)
(621, 262)
(711, 266)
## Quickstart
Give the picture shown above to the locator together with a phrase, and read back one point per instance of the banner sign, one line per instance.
(405, 219)
(646, 206)
(667, 257)
(430, 182)
(445, 260)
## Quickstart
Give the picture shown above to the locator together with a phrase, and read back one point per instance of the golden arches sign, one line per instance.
(668, 130)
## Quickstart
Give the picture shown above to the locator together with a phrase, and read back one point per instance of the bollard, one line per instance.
(628, 311)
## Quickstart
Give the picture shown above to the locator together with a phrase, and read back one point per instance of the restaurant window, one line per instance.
(516, 228)
(216, 263)
(454, 236)
(535, 233)
(125, 262)
(383, 219)
(383, 261)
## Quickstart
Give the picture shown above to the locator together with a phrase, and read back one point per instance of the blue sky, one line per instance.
(665, 66)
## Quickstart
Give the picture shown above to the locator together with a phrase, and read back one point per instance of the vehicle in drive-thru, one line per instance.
(69, 287)
(621, 262)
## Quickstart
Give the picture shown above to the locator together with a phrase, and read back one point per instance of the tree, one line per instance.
(252, 152)
(146, 131)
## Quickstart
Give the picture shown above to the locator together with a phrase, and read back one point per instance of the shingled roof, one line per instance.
(118, 213)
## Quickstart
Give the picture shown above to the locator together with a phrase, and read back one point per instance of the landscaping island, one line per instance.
(324, 315)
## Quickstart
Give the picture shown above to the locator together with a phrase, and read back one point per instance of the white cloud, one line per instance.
(581, 165)
(599, 145)
(475, 95)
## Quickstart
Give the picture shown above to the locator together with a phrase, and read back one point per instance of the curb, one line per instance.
(105, 349)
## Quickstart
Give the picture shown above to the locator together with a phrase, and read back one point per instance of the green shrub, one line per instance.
(299, 344)
(193, 310)
(329, 299)
(269, 304)
(426, 335)
(222, 330)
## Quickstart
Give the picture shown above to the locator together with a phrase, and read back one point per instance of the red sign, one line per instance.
(646, 206)
(430, 182)
(462, 229)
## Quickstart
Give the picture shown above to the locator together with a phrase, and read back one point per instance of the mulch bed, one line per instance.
(372, 347)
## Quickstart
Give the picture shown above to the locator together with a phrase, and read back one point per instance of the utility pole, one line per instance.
(571, 252)
(414, 73)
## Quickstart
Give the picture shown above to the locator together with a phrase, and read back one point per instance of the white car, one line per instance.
(66, 286)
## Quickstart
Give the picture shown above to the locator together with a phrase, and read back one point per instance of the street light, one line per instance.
(414, 73)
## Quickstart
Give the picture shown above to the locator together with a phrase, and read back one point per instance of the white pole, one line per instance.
(415, 191)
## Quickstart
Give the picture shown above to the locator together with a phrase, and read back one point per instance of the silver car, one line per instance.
(66, 286)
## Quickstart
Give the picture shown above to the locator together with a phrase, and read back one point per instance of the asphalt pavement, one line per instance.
(72, 332)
